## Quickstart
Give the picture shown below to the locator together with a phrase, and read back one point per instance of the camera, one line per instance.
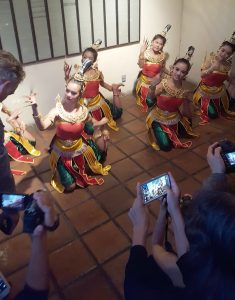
(228, 155)
(33, 215)
(155, 188)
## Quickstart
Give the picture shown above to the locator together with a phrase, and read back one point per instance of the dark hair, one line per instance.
(159, 36)
(227, 43)
(184, 61)
(10, 68)
(93, 51)
(210, 228)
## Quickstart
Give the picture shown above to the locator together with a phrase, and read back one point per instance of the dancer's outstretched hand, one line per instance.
(116, 88)
(144, 46)
(67, 70)
(31, 99)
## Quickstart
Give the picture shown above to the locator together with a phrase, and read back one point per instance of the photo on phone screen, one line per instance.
(231, 158)
(155, 188)
(15, 201)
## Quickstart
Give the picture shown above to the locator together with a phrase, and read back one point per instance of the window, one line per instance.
(37, 30)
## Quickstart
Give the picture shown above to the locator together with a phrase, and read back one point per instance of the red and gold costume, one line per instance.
(18, 147)
(153, 65)
(94, 101)
(212, 91)
(69, 147)
(165, 117)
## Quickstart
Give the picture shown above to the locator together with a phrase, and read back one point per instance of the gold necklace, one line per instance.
(154, 59)
(90, 76)
(71, 117)
(173, 92)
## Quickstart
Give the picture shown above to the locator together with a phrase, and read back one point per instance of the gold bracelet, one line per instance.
(37, 117)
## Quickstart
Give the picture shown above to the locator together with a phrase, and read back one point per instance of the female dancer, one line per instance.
(152, 62)
(18, 142)
(97, 105)
(211, 93)
(166, 122)
(71, 157)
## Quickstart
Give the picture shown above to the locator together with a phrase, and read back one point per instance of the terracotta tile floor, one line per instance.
(89, 250)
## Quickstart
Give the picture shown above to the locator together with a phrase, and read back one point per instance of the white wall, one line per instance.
(47, 78)
(205, 24)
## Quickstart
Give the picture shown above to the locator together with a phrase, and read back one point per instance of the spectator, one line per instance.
(203, 265)
(11, 74)
(37, 279)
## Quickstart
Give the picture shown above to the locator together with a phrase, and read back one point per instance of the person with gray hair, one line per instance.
(11, 74)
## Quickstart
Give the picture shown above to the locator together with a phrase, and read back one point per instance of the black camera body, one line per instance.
(33, 215)
(228, 155)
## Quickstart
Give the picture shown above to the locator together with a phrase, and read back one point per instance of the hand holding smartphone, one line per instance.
(155, 188)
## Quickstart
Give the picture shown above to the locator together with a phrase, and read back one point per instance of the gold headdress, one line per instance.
(165, 30)
(80, 71)
(96, 44)
(189, 53)
(232, 39)
(187, 56)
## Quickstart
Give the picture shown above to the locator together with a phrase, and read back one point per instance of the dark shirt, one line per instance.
(145, 280)
(7, 183)
(30, 294)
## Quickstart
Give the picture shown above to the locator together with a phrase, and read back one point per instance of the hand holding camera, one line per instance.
(37, 207)
(221, 157)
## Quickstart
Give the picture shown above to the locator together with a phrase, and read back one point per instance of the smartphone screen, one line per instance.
(154, 188)
(4, 287)
(15, 201)
(231, 158)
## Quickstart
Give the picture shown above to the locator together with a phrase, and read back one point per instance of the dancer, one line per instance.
(97, 105)
(18, 142)
(152, 62)
(166, 123)
(72, 160)
(211, 92)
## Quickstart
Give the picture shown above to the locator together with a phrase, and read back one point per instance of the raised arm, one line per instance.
(37, 279)
(67, 70)
(167, 260)
(138, 214)
(143, 48)
(208, 67)
(42, 122)
(217, 181)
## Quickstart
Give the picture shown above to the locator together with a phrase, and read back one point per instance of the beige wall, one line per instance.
(205, 24)
(47, 78)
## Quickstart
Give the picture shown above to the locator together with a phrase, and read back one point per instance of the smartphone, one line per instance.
(14, 201)
(230, 156)
(155, 188)
(4, 287)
